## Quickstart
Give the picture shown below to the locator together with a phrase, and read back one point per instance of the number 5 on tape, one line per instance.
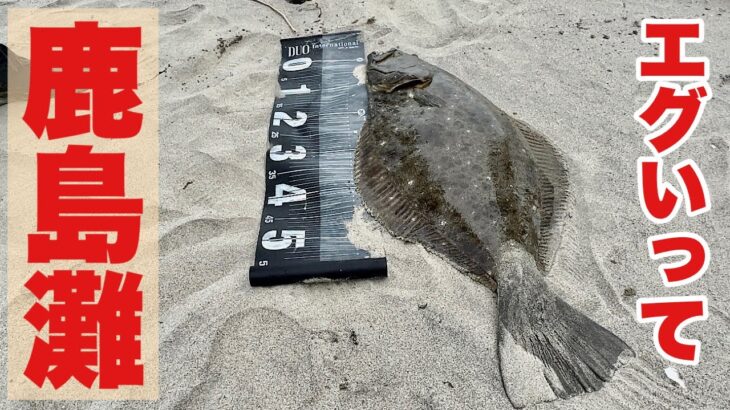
(271, 242)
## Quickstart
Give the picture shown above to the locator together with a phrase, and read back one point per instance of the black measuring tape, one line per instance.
(310, 188)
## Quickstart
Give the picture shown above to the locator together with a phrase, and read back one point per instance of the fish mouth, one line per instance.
(399, 85)
(394, 70)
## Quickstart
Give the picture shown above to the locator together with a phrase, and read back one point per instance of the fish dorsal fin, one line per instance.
(554, 192)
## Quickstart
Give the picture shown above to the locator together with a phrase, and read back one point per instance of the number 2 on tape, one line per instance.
(294, 123)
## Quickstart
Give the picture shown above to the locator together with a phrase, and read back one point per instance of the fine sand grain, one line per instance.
(426, 336)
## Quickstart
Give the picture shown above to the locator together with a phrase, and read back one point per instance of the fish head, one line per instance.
(394, 70)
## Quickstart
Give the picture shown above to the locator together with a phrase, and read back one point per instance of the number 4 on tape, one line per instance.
(287, 193)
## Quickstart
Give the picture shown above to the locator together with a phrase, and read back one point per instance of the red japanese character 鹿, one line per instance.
(84, 68)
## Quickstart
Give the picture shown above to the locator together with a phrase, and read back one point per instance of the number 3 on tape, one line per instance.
(277, 153)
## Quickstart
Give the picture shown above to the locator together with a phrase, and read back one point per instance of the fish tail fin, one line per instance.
(547, 348)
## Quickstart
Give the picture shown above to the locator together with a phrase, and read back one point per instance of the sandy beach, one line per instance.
(425, 337)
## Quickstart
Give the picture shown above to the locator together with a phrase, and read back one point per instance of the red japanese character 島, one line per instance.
(87, 337)
(81, 201)
(84, 68)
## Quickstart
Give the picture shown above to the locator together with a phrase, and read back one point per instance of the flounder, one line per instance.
(438, 164)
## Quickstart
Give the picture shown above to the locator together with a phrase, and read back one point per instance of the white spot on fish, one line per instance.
(410, 182)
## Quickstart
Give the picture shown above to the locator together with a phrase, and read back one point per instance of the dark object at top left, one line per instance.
(20, 67)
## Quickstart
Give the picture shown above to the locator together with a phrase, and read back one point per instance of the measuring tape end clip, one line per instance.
(326, 270)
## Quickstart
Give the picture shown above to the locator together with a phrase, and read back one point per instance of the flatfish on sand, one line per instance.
(438, 164)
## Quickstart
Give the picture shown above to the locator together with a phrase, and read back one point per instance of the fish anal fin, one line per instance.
(555, 192)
